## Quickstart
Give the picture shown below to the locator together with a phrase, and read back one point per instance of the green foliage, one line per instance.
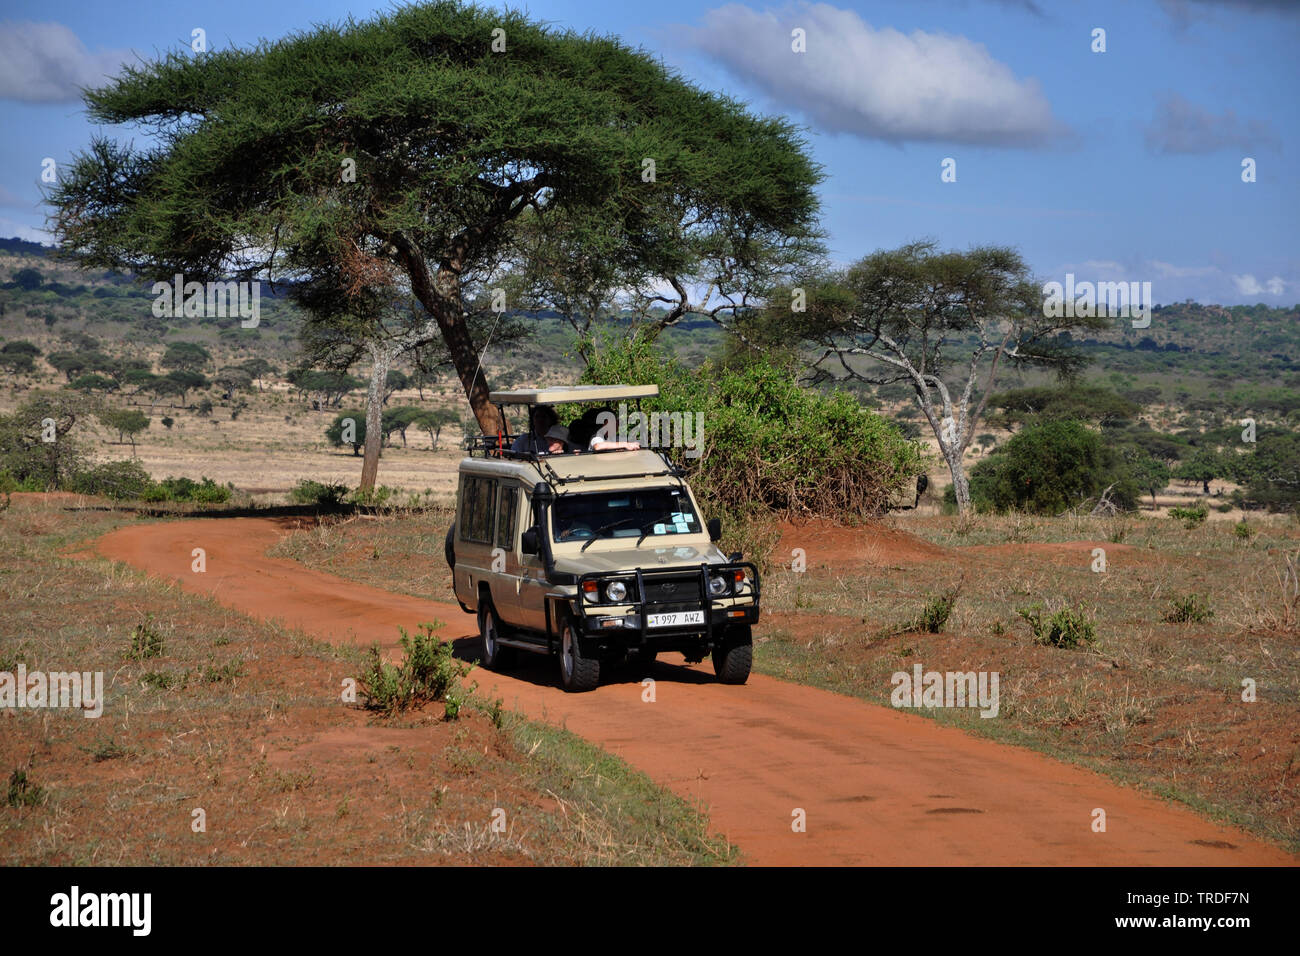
(1067, 628)
(204, 491)
(146, 641)
(1191, 517)
(326, 495)
(23, 792)
(1050, 467)
(1188, 609)
(28, 279)
(127, 422)
(29, 462)
(335, 432)
(1085, 403)
(428, 672)
(119, 480)
(186, 356)
(934, 616)
(769, 444)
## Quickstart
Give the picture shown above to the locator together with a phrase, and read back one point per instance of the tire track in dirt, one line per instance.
(878, 786)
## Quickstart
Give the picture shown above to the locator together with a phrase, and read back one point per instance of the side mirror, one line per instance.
(528, 542)
(715, 529)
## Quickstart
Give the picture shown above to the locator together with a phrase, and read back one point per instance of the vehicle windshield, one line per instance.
(623, 514)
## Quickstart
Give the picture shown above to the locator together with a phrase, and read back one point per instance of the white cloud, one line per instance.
(1180, 126)
(47, 63)
(878, 83)
(12, 229)
(1248, 285)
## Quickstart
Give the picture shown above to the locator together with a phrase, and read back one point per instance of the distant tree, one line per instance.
(399, 419)
(231, 379)
(1204, 466)
(1150, 474)
(29, 280)
(395, 381)
(349, 428)
(184, 381)
(94, 382)
(433, 421)
(168, 421)
(941, 322)
(189, 356)
(258, 368)
(71, 364)
(20, 347)
(1083, 403)
(127, 422)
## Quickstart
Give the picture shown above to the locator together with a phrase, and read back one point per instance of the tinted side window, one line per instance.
(478, 502)
(506, 514)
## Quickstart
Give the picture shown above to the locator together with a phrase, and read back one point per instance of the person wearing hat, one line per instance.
(534, 441)
(557, 441)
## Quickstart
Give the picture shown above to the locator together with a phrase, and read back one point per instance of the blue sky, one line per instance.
(1117, 165)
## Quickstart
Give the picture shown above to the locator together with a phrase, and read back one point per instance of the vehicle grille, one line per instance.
(682, 590)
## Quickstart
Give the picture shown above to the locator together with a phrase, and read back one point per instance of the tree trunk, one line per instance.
(380, 358)
(960, 485)
(443, 303)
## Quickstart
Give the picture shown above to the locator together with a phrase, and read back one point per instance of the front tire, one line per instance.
(495, 657)
(577, 673)
(734, 658)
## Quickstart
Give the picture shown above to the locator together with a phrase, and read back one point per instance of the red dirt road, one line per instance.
(878, 786)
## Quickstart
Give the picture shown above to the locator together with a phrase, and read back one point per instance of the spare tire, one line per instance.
(449, 549)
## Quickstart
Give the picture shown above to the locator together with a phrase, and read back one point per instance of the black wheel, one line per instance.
(732, 661)
(577, 673)
(449, 548)
(495, 657)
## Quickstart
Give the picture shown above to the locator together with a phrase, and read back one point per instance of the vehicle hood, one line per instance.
(646, 558)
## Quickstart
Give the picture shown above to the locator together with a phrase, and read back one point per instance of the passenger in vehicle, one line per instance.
(534, 441)
(557, 441)
(586, 432)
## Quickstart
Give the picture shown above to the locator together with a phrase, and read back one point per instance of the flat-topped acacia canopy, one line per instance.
(573, 393)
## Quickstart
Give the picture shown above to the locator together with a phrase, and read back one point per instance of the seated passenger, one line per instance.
(557, 441)
(533, 441)
(598, 431)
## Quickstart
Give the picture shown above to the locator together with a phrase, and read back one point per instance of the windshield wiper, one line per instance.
(603, 528)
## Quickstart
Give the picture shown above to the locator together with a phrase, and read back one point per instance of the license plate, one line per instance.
(676, 619)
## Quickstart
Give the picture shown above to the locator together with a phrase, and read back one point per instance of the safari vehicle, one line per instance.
(599, 557)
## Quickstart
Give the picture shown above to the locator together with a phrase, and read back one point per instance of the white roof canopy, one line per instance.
(572, 393)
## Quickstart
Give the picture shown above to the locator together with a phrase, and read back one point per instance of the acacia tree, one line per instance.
(944, 323)
(398, 154)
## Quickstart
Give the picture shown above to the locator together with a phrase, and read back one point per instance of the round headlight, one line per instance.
(717, 586)
(616, 591)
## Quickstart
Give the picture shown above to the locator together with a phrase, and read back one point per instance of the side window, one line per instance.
(507, 512)
(477, 509)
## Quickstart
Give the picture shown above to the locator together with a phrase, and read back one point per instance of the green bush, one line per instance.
(934, 616)
(427, 672)
(1050, 467)
(1189, 609)
(308, 492)
(119, 480)
(1191, 517)
(1066, 628)
(203, 491)
(768, 443)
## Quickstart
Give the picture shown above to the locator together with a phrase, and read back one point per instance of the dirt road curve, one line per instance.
(878, 786)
